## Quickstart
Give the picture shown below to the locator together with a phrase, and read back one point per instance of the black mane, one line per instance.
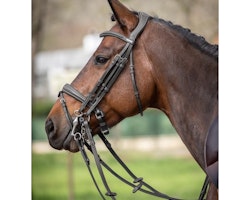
(197, 41)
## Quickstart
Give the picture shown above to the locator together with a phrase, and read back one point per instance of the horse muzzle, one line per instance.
(60, 138)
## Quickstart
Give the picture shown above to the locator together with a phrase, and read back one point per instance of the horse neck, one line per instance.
(187, 89)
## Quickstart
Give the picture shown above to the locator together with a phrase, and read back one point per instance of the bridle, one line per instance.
(80, 128)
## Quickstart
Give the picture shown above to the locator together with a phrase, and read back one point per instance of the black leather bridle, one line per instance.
(79, 123)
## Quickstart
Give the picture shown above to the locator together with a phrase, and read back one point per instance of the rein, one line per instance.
(80, 128)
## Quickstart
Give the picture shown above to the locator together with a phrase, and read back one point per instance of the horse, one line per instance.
(143, 62)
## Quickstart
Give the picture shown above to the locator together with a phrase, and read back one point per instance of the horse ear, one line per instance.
(125, 17)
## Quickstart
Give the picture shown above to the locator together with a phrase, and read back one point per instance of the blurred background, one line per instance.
(64, 35)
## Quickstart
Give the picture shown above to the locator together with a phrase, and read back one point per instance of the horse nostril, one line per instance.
(49, 127)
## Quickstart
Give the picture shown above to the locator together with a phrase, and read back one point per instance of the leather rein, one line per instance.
(80, 128)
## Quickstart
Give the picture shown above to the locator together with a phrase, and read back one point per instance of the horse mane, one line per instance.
(197, 41)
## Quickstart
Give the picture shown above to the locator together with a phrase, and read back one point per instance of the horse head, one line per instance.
(120, 100)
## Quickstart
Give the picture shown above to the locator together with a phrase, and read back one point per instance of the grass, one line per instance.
(178, 177)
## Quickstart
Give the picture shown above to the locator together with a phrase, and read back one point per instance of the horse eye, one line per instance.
(100, 60)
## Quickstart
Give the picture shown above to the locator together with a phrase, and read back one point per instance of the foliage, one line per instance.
(41, 107)
(179, 177)
(153, 122)
(38, 128)
(53, 19)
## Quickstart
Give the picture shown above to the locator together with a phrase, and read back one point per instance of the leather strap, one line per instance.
(65, 109)
(117, 35)
(69, 90)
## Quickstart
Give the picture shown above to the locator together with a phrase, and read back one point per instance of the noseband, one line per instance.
(80, 129)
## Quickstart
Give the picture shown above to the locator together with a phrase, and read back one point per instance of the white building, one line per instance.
(55, 68)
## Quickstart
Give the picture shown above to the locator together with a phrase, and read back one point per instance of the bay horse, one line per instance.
(143, 62)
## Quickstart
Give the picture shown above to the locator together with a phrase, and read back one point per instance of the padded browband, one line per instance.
(117, 35)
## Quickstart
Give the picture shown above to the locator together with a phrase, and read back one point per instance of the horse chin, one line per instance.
(69, 144)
